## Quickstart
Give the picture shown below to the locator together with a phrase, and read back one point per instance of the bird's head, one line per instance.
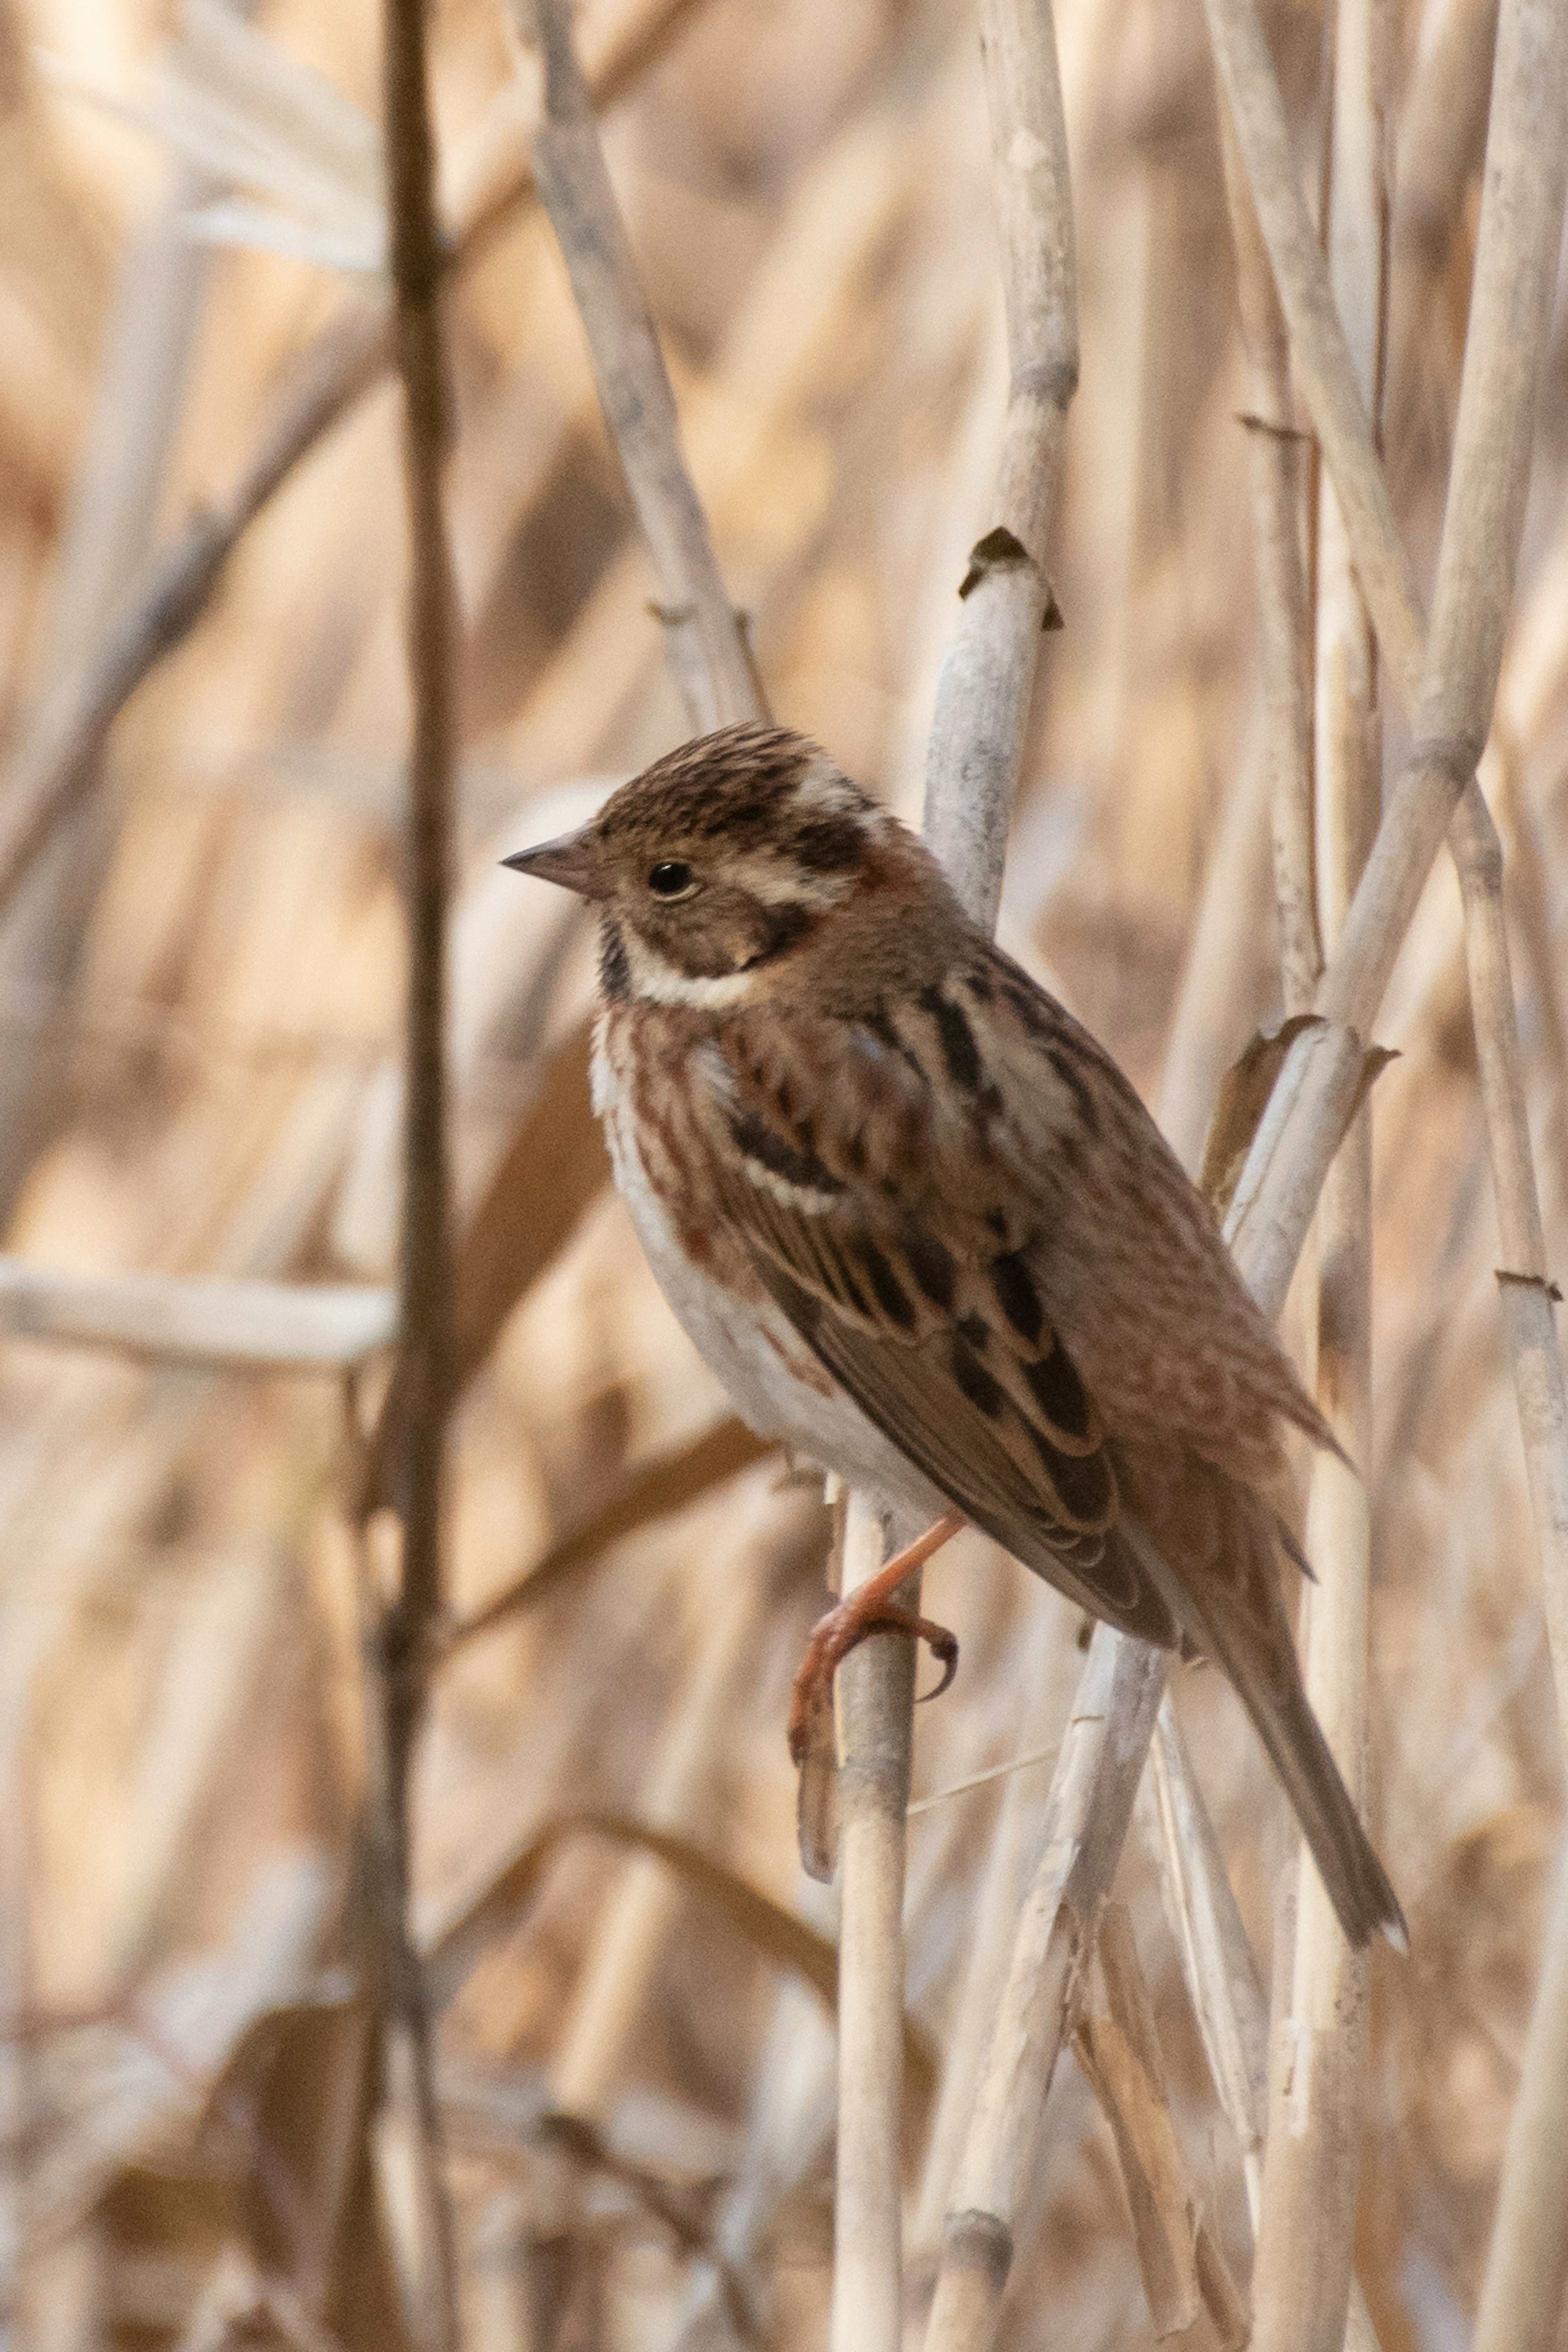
(725, 863)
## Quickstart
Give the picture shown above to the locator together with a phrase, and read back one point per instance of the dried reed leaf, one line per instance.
(777, 1935)
(655, 1490)
(588, 2144)
(1243, 1094)
(1243, 1097)
(1119, 2053)
(554, 1166)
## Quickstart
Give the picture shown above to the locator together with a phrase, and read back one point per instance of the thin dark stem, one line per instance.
(425, 1272)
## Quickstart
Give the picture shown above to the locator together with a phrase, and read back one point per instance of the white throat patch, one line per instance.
(651, 977)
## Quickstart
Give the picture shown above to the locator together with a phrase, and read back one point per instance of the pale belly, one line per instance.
(775, 1383)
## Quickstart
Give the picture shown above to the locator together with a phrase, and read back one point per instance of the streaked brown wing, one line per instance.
(1140, 1284)
(1009, 1439)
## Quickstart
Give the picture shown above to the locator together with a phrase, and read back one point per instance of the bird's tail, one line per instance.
(1356, 1882)
(1238, 1618)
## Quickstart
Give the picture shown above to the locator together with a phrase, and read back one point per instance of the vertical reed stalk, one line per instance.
(874, 1694)
(1273, 473)
(425, 1273)
(1447, 678)
(1301, 2282)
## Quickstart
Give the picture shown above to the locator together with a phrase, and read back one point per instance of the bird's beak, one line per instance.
(569, 860)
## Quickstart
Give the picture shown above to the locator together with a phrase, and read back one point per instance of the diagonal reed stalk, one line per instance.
(56, 766)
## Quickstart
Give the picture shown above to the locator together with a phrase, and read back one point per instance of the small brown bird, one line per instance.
(920, 1226)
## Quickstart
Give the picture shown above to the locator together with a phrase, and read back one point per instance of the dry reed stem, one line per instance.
(874, 1694)
(976, 743)
(984, 695)
(257, 1327)
(1303, 2275)
(159, 308)
(709, 660)
(1527, 2264)
(1442, 131)
(1090, 1805)
(705, 638)
(59, 762)
(1043, 1656)
(1118, 2047)
(1218, 1965)
(1209, 1025)
(1447, 678)
(1216, 1959)
(988, 675)
(424, 1276)
(1273, 475)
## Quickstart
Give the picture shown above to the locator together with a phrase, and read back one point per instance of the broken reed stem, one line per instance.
(1273, 474)
(988, 675)
(1118, 2047)
(57, 764)
(425, 1356)
(1301, 2279)
(1447, 678)
(705, 638)
(1218, 1964)
(1218, 1960)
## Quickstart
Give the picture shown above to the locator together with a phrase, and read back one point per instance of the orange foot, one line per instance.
(869, 1609)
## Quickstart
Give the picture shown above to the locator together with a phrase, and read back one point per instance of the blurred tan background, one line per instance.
(200, 996)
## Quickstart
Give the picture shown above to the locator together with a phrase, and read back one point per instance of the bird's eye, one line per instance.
(670, 879)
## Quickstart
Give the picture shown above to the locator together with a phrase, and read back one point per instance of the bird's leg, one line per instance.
(870, 1609)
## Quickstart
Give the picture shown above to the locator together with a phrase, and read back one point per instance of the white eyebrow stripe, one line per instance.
(774, 880)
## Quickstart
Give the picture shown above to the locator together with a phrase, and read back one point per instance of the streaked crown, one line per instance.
(719, 860)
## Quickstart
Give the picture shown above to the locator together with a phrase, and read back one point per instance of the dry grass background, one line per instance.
(201, 984)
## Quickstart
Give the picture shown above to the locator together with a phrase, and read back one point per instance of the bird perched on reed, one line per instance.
(921, 1226)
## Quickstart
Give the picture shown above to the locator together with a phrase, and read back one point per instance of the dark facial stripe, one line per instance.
(958, 1047)
(615, 973)
(781, 927)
